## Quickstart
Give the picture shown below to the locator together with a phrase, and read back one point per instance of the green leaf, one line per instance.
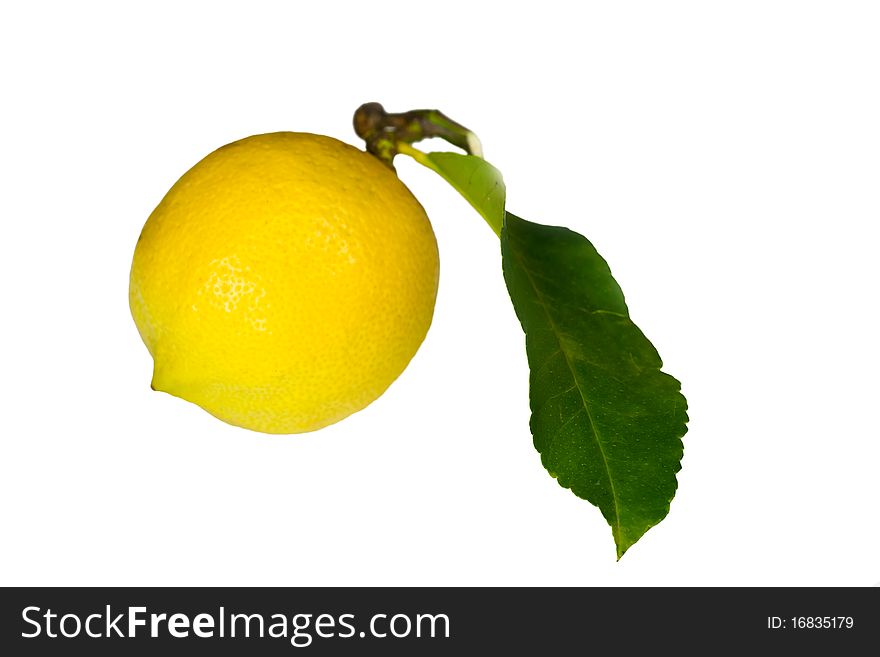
(478, 181)
(606, 421)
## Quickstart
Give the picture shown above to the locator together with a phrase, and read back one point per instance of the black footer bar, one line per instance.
(430, 621)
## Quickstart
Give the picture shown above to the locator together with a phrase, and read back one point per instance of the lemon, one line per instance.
(284, 282)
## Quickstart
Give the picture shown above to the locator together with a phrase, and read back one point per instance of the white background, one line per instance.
(724, 158)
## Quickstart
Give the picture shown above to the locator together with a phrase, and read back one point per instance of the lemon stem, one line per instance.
(385, 132)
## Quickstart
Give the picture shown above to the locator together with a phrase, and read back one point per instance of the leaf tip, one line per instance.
(622, 544)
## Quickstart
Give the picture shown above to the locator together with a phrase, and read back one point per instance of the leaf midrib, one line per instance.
(558, 338)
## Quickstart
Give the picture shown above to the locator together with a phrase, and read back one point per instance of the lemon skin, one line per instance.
(284, 282)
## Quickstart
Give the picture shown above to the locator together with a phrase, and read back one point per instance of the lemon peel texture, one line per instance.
(284, 282)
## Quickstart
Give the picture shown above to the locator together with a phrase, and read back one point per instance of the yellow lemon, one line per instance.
(284, 282)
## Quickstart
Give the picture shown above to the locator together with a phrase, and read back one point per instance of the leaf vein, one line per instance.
(555, 396)
(584, 402)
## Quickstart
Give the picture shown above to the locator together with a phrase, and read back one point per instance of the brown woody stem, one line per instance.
(383, 131)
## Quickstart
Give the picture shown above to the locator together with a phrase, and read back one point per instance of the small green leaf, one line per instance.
(606, 421)
(478, 181)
